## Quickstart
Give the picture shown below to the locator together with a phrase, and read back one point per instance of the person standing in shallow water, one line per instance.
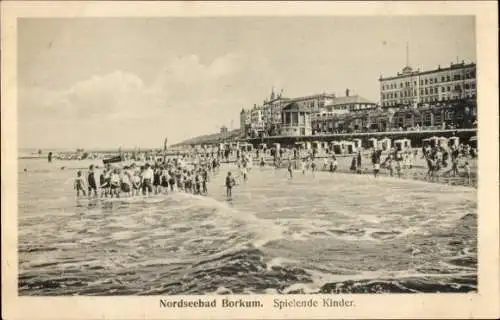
(376, 161)
(230, 182)
(91, 182)
(79, 183)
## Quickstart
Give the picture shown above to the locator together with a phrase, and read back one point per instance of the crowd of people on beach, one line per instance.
(438, 158)
(191, 174)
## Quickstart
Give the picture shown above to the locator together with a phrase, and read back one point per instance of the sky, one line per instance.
(131, 82)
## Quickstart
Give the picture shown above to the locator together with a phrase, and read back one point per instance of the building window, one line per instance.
(442, 79)
(400, 84)
(431, 91)
(437, 117)
(426, 81)
(426, 91)
(421, 91)
(427, 119)
(473, 85)
(467, 86)
(448, 78)
(421, 82)
(448, 89)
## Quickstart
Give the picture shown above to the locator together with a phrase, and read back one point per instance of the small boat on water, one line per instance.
(115, 159)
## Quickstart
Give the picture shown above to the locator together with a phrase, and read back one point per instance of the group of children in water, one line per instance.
(171, 175)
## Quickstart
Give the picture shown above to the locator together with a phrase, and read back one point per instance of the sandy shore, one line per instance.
(417, 172)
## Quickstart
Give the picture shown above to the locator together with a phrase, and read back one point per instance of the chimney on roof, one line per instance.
(347, 92)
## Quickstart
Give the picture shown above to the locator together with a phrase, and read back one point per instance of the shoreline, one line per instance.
(417, 173)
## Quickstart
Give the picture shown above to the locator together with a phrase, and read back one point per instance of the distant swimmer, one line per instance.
(25, 170)
(62, 168)
(79, 183)
(230, 183)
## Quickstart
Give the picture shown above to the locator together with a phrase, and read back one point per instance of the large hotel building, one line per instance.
(409, 87)
(411, 100)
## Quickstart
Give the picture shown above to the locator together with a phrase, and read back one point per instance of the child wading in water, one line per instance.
(230, 182)
(79, 183)
(92, 185)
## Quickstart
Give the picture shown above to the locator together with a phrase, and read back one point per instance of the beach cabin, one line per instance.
(373, 143)
(336, 147)
(317, 145)
(384, 144)
(357, 144)
(300, 145)
(234, 145)
(246, 147)
(402, 144)
(349, 147)
(453, 142)
(443, 142)
(432, 141)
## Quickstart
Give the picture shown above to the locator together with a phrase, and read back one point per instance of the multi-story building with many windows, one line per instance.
(409, 87)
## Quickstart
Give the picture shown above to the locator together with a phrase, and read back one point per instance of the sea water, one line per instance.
(328, 233)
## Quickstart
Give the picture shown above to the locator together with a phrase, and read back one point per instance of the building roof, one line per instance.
(348, 100)
(314, 96)
(438, 69)
(296, 107)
